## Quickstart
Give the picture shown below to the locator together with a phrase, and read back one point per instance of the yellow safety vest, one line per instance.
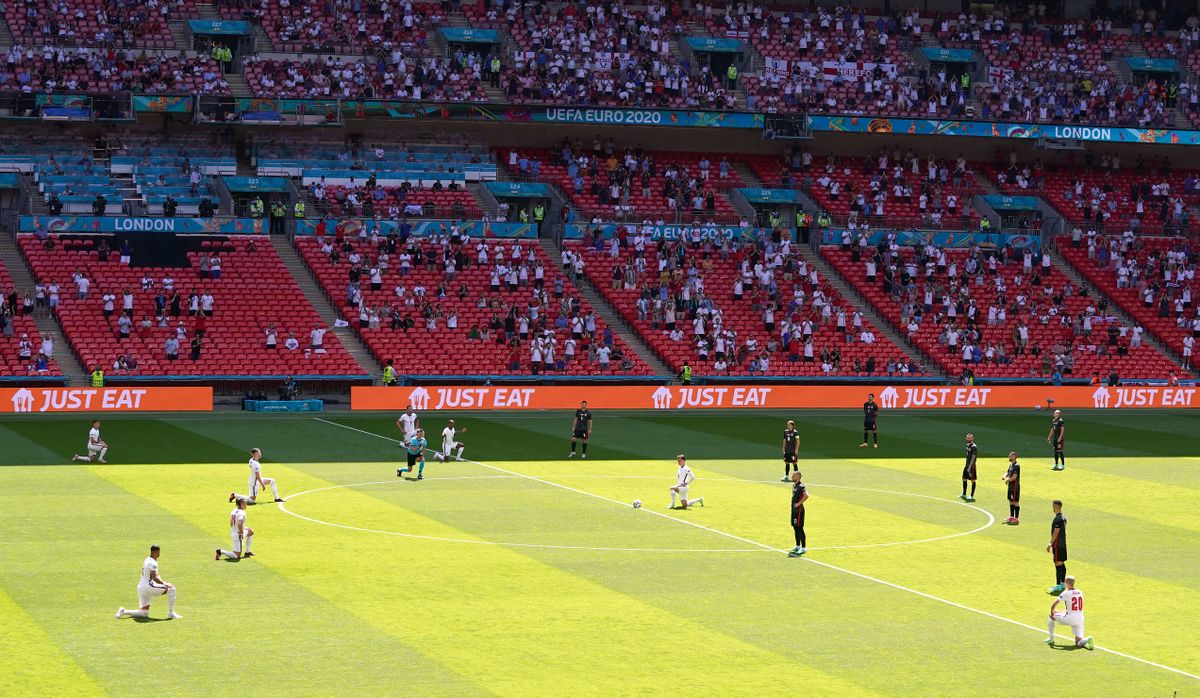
(686, 374)
(298, 209)
(97, 378)
(256, 208)
(389, 374)
(732, 72)
(539, 212)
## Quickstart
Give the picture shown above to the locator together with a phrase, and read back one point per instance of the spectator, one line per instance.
(171, 348)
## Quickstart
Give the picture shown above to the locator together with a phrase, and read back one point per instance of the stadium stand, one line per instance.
(20, 342)
(251, 292)
(107, 23)
(736, 309)
(1151, 278)
(999, 313)
(340, 26)
(612, 183)
(888, 189)
(58, 69)
(480, 319)
(394, 76)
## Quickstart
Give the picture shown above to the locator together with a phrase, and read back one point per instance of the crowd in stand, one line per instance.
(526, 312)
(99, 23)
(61, 69)
(340, 26)
(394, 75)
(789, 302)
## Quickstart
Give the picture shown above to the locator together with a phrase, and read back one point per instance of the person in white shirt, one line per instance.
(317, 336)
(1072, 614)
(449, 444)
(149, 587)
(684, 479)
(238, 532)
(257, 482)
(97, 449)
(408, 423)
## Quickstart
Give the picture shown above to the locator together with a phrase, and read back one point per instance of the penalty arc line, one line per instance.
(826, 565)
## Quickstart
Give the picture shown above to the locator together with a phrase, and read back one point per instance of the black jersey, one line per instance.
(582, 416)
(791, 439)
(870, 409)
(1014, 472)
(1056, 429)
(798, 490)
(972, 454)
(1060, 545)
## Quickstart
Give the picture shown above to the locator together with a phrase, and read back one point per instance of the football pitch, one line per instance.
(519, 572)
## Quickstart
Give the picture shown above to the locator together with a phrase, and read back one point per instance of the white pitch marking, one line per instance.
(852, 573)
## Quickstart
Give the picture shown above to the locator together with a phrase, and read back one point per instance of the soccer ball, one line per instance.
(637, 504)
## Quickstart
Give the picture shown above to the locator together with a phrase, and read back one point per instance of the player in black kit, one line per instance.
(1012, 476)
(581, 428)
(1058, 432)
(969, 469)
(1058, 548)
(870, 412)
(799, 497)
(791, 447)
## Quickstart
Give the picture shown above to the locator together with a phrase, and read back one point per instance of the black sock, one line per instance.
(1011, 509)
(799, 535)
(972, 488)
(1016, 512)
(875, 435)
(865, 436)
(585, 447)
(1060, 573)
(964, 488)
(572, 447)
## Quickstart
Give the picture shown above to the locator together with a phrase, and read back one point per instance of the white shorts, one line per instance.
(449, 446)
(147, 594)
(94, 450)
(683, 492)
(409, 436)
(1075, 620)
(252, 487)
(237, 540)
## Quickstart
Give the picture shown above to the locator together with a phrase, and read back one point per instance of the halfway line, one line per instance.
(779, 550)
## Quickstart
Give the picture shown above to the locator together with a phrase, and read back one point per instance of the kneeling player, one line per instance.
(97, 449)
(449, 444)
(150, 587)
(237, 532)
(685, 478)
(1072, 614)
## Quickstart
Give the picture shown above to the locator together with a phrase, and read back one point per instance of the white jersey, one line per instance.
(409, 423)
(93, 437)
(1072, 600)
(685, 476)
(255, 469)
(149, 570)
(237, 519)
(448, 436)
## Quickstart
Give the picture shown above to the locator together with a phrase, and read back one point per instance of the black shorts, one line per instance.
(580, 434)
(969, 473)
(413, 459)
(1060, 556)
(797, 517)
(789, 456)
(1058, 447)
(1014, 492)
(869, 425)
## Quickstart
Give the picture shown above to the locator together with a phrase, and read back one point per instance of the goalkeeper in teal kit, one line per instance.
(416, 455)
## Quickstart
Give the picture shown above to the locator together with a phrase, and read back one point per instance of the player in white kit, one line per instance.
(97, 449)
(408, 423)
(449, 444)
(257, 482)
(150, 587)
(237, 532)
(684, 478)
(1072, 614)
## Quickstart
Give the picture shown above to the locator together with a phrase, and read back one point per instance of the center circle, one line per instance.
(760, 548)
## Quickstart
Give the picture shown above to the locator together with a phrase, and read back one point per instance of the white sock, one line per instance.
(228, 553)
(171, 600)
(274, 488)
(1050, 627)
(460, 450)
(694, 502)
(249, 540)
(138, 614)
(103, 452)
(672, 498)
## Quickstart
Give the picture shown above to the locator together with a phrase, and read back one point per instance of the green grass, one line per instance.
(527, 574)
